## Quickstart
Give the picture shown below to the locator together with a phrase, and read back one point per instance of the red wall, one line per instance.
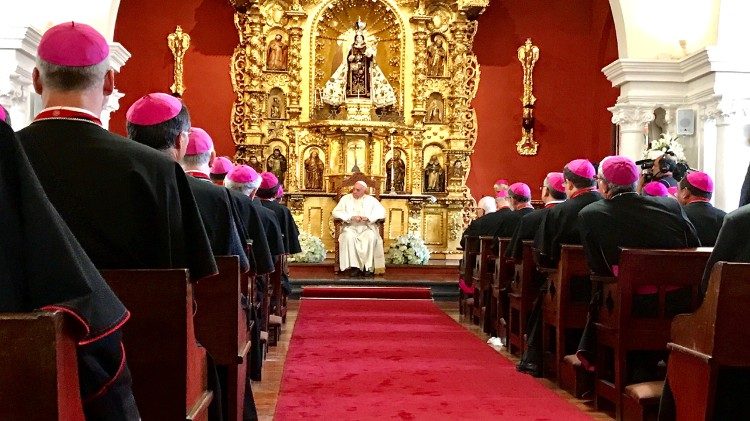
(576, 39)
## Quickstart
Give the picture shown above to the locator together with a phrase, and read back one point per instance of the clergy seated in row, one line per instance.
(36, 255)
(560, 224)
(219, 170)
(694, 194)
(486, 205)
(627, 219)
(732, 386)
(553, 193)
(360, 246)
(513, 204)
(162, 122)
(128, 205)
(243, 181)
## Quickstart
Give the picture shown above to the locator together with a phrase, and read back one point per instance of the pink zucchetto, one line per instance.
(73, 44)
(199, 142)
(555, 181)
(222, 165)
(280, 193)
(700, 181)
(2, 114)
(242, 174)
(153, 109)
(620, 170)
(269, 185)
(502, 193)
(582, 168)
(520, 190)
(673, 191)
(655, 189)
(501, 182)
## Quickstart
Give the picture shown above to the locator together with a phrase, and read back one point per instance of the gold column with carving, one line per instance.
(178, 43)
(528, 54)
(419, 23)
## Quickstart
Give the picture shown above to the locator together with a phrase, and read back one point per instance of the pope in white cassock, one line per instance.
(360, 245)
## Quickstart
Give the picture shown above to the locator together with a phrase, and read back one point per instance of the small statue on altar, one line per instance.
(277, 54)
(436, 57)
(275, 111)
(435, 112)
(314, 171)
(276, 164)
(359, 76)
(395, 173)
(434, 176)
(458, 171)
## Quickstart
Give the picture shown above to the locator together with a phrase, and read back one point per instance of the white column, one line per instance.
(118, 56)
(17, 53)
(631, 121)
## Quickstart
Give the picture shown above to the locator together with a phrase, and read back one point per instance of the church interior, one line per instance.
(431, 107)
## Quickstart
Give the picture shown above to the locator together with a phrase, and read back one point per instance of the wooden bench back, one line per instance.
(168, 366)
(38, 368)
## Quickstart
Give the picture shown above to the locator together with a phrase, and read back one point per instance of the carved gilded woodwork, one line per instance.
(528, 54)
(279, 105)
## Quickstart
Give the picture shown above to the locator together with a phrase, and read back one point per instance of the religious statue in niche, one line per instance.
(359, 76)
(435, 111)
(434, 176)
(314, 171)
(277, 54)
(255, 164)
(276, 163)
(274, 110)
(395, 173)
(436, 57)
(458, 170)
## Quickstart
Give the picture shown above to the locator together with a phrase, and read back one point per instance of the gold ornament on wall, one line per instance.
(178, 43)
(528, 54)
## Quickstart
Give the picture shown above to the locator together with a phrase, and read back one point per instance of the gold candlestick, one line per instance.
(178, 43)
(528, 54)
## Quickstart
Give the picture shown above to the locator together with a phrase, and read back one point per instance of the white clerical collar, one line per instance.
(76, 109)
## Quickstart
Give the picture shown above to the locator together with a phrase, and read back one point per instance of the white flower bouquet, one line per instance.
(313, 250)
(408, 249)
(667, 142)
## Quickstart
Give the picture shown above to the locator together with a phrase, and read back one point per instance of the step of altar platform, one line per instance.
(440, 276)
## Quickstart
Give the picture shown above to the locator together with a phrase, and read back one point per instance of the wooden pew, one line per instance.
(221, 327)
(471, 250)
(276, 301)
(564, 317)
(523, 289)
(621, 329)
(504, 269)
(38, 368)
(167, 364)
(484, 268)
(713, 337)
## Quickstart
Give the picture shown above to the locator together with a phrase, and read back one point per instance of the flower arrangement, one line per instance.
(313, 250)
(667, 142)
(408, 249)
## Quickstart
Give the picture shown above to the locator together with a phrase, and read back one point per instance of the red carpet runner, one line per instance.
(403, 360)
(367, 292)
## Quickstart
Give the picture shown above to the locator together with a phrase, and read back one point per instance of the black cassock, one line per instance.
(501, 223)
(42, 266)
(732, 243)
(745, 190)
(257, 218)
(251, 224)
(129, 205)
(287, 225)
(706, 219)
(526, 230)
(216, 212)
(560, 226)
(635, 221)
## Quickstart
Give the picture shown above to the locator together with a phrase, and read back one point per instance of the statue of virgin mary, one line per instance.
(359, 76)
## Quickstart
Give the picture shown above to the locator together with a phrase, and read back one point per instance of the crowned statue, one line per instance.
(359, 76)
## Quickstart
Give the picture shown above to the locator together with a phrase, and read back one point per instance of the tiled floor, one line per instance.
(266, 391)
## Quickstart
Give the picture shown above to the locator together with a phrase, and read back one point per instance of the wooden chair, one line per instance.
(221, 327)
(39, 369)
(622, 327)
(344, 187)
(482, 275)
(523, 288)
(504, 270)
(564, 315)
(466, 271)
(712, 338)
(167, 364)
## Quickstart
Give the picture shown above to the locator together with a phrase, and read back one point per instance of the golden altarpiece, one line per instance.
(325, 88)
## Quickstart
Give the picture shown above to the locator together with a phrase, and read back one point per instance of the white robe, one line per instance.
(360, 244)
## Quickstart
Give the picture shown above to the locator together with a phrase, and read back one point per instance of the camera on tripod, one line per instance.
(667, 164)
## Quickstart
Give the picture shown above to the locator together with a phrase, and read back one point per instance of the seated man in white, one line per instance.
(360, 245)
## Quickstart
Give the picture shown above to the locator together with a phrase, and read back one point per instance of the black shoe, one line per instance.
(368, 274)
(529, 368)
(353, 272)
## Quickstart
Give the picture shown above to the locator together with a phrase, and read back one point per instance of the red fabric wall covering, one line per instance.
(576, 39)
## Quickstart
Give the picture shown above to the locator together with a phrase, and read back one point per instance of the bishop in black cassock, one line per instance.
(269, 187)
(553, 193)
(694, 195)
(42, 266)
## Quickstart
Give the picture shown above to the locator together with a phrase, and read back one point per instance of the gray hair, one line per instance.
(613, 189)
(68, 78)
(245, 188)
(488, 204)
(198, 160)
